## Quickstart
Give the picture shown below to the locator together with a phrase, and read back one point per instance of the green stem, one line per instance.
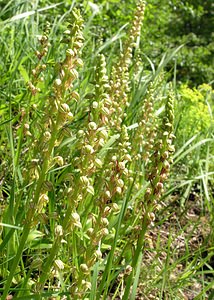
(48, 264)
(30, 214)
(107, 273)
(137, 255)
(54, 250)
(26, 231)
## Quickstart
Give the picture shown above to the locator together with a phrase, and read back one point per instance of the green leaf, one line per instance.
(34, 235)
(10, 226)
(24, 73)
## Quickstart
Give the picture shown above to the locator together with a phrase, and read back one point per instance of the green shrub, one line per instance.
(195, 109)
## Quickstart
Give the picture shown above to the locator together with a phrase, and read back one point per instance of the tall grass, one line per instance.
(87, 145)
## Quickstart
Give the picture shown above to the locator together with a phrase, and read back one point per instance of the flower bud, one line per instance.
(75, 95)
(92, 126)
(127, 157)
(86, 285)
(59, 230)
(84, 268)
(90, 231)
(126, 172)
(64, 108)
(59, 160)
(95, 104)
(43, 198)
(115, 207)
(122, 165)
(120, 182)
(101, 142)
(104, 232)
(36, 263)
(78, 45)
(107, 210)
(59, 264)
(98, 163)
(47, 135)
(108, 101)
(79, 62)
(105, 111)
(104, 222)
(90, 189)
(159, 186)
(104, 134)
(70, 52)
(128, 270)
(118, 190)
(89, 149)
(58, 81)
(47, 185)
(70, 116)
(98, 254)
(80, 133)
(84, 180)
(107, 194)
(75, 218)
(34, 72)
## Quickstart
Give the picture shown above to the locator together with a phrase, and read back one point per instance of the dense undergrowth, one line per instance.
(88, 209)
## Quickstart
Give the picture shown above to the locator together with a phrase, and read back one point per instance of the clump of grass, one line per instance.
(85, 183)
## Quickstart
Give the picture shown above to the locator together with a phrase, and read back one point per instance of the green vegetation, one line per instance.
(106, 157)
(167, 25)
(196, 107)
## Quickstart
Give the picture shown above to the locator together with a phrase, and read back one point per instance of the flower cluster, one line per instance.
(119, 83)
(88, 164)
(159, 165)
(146, 131)
(38, 71)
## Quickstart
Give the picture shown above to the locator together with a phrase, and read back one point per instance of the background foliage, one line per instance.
(167, 25)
